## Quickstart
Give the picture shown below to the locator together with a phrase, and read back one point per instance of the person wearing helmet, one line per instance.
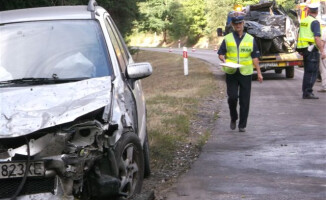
(239, 47)
(309, 44)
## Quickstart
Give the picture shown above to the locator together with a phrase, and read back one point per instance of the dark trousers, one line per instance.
(311, 65)
(239, 86)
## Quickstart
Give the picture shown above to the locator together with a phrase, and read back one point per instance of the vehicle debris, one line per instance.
(72, 111)
(275, 34)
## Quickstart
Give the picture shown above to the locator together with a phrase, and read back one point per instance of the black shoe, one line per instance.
(233, 125)
(242, 130)
(310, 96)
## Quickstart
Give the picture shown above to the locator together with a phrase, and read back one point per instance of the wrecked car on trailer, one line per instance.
(275, 33)
(73, 114)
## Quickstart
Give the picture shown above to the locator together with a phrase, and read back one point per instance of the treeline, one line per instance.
(174, 18)
(190, 18)
(124, 12)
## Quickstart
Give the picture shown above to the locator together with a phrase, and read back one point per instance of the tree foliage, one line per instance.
(217, 10)
(176, 18)
(196, 21)
(123, 12)
(156, 15)
(217, 13)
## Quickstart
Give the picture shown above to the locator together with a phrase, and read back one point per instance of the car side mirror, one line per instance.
(139, 70)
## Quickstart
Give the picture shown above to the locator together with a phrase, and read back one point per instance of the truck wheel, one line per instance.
(289, 72)
(278, 71)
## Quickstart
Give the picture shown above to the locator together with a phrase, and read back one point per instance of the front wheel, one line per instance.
(147, 167)
(130, 160)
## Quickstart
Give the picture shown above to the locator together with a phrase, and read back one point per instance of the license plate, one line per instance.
(18, 169)
(268, 64)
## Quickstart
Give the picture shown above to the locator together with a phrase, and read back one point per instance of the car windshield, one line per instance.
(63, 49)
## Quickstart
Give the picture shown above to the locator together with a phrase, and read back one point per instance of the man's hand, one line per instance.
(323, 55)
(222, 58)
(260, 77)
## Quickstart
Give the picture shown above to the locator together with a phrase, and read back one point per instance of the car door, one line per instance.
(132, 90)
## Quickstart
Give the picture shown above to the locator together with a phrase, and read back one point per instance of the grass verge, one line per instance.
(173, 102)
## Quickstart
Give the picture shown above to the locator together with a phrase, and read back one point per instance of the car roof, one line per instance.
(47, 13)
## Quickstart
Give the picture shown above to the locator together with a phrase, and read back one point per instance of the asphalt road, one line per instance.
(282, 156)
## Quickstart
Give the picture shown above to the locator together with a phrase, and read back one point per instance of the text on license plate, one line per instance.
(268, 64)
(18, 169)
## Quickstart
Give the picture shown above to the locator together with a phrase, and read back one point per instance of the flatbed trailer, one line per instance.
(281, 61)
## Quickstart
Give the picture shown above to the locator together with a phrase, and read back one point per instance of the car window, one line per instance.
(118, 45)
(118, 35)
(42, 49)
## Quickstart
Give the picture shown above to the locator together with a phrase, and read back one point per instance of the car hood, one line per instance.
(28, 109)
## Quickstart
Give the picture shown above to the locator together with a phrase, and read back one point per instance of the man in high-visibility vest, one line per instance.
(240, 48)
(309, 44)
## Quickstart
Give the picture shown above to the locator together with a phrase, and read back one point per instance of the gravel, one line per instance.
(161, 180)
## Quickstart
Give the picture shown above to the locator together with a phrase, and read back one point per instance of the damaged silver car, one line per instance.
(73, 116)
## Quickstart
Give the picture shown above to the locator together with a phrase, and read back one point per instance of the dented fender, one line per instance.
(46, 106)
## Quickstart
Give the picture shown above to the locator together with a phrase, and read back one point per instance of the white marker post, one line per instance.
(179, 44)
(185, 60)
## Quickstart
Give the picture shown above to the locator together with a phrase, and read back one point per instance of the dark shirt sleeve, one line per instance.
(255, 53)
(315, 28)
(222, 50)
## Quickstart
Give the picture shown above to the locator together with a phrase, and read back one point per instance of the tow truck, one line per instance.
(275, 34)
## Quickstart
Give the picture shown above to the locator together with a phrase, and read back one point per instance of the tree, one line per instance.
(178, 27)
(180, 18)
(123, 12)
(156, 16)
(196, 22)
(287, 5)
(217, 12)
(18, 4)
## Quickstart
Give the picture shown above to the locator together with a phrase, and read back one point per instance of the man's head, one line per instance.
(237, 20)
(313, 8)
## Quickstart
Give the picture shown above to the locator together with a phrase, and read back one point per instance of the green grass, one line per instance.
(172, 101)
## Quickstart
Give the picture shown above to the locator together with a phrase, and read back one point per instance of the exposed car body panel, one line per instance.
(49, 105)
(118, 84)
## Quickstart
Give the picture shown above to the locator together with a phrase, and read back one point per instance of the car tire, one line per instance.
(130, 161)
(289, 72)
(147, 167)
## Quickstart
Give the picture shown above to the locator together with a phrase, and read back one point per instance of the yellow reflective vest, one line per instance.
(306, 36)
(241, 55)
